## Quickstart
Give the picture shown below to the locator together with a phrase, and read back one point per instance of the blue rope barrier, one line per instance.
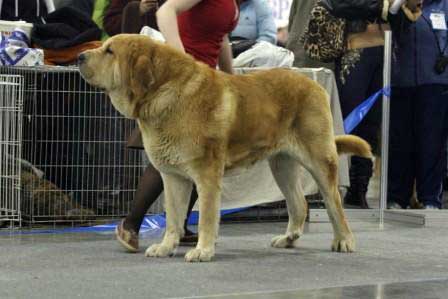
(150, 224)
(358, 114)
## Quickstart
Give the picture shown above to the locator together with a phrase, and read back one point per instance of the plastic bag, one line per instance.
(14, 50)
(154, 34)
(264, 54)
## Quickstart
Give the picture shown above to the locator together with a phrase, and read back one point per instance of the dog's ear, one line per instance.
(141, 77)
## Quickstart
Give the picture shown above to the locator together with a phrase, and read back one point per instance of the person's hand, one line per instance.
(414, 5)
(411, 8)
(147, 5)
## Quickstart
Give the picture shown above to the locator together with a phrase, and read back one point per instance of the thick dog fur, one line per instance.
(197, 122)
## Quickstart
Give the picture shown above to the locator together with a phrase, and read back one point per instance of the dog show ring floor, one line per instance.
(401, 261)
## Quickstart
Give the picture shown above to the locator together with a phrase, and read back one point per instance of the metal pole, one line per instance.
(385, 123)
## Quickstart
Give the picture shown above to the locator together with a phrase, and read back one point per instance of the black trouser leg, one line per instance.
(401, 165)
(431, 136)
(364, 80)
(193, 199)
(148, 190)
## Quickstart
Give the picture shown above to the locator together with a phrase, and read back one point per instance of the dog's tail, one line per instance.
(351, 144)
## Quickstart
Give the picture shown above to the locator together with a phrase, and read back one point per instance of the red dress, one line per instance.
(202, 28)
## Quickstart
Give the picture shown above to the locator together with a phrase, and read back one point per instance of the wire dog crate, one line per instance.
(11, 104)
(75, 165)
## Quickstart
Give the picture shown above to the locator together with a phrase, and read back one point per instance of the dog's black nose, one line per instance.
(81, 58)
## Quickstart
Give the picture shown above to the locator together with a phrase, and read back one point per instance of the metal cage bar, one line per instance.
(11, 105)
(385, 124)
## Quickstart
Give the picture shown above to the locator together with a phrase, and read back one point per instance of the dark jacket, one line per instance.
(65, 27)
(363, 11)
(30, 11)
(354, 9)
(113, 18)
(85, 6)
(416, 50)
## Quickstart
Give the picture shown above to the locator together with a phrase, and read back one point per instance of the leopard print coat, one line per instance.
(324, 39)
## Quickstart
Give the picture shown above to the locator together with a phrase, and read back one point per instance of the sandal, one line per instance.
(127, 238)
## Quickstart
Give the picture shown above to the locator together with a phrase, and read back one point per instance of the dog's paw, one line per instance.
(284, 241)
(199, 255)
(159, 250)
(344, 244)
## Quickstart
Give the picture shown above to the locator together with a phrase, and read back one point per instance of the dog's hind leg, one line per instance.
(323, 165)
(286, 171)
(177, 195)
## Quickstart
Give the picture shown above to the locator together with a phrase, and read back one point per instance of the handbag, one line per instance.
(324, 39)
(241, 45)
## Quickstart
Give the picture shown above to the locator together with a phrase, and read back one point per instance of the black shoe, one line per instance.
(356, 199)
(360, 174)
(189, 239)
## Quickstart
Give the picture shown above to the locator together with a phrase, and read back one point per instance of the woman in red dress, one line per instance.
(199, 28)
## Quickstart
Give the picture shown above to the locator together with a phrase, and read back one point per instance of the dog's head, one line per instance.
(125, 64)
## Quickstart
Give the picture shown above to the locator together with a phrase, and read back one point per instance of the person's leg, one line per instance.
(445, 177)
(360, 173)
(190, 237)
(431, 138)
(363, 81)
(370, 127)
(401, 165)
(148, 190)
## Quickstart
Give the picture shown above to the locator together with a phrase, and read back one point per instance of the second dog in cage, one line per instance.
(197, 122)
(45, 198)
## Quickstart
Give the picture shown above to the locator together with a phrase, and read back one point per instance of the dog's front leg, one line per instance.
(208, 185)
(177, 196)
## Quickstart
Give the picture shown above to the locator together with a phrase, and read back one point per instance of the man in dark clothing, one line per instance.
(419, 109)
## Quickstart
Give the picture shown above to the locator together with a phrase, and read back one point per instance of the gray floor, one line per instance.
(434, 289)
(94, 266)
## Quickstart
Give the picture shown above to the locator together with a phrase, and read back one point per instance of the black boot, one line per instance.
(360, 174)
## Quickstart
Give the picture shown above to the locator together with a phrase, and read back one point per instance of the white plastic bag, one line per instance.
(15, 51)
(154, 34)
(264, 54)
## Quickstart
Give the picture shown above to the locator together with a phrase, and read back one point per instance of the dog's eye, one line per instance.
(109, 51)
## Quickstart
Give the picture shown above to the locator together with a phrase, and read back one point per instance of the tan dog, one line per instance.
(197, 122)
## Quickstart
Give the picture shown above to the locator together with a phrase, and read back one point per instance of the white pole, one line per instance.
(385, 123)
(50, 6)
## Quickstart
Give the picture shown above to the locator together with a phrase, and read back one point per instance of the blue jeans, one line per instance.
(418, 140)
